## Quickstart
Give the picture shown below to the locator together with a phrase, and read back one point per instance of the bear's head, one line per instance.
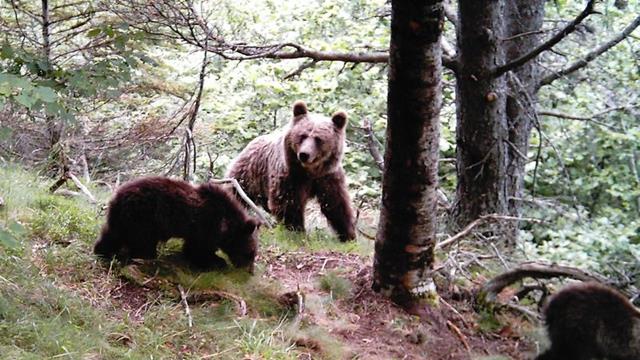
(220, 212)
(315, 142)
(241, 242)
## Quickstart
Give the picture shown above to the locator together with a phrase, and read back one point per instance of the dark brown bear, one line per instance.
(150, 210)
(591, 321)
(282, 171)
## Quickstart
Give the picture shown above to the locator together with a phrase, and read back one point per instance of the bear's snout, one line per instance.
(303, 157)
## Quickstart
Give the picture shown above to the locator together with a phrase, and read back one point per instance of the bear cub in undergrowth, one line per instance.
(150, 210)
(282, 171)
(591, 321)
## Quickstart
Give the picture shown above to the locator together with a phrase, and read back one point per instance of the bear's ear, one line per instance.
(299, 108)
(339, 119)
(251, 225)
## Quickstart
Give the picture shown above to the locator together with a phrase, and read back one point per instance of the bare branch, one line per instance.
(261, 213)
(591, 118)
(585, 60)
(184, 22)
(571, 27)
(479, 221)
(300, 69)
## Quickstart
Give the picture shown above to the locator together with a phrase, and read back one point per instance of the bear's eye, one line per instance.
(303, 137)
(318, 141)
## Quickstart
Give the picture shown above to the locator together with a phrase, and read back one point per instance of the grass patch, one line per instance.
(315, 240)
(336, 285)
(63, 221)
(57, 301)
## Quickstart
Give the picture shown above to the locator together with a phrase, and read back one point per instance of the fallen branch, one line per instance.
(266, 219)
(183, 296)
(459, 334)
(69, 175)
(81, 187)
(493, 287)
(63, 179)
(464, 322)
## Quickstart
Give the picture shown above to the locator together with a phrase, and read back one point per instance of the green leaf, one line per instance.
(53, 108)
(94, 32)
(46, 94)
(25, 100)
(5, 89)
(6, 51)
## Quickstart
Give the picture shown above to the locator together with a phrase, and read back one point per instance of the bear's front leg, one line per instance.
(287, 203)
(332, 194)
(201, 253)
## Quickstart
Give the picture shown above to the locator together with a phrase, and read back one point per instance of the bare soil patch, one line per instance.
(374, 328)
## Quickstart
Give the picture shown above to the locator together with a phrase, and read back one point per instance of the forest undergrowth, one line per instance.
(310, 298)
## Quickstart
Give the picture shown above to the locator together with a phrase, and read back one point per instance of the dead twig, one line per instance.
(481, 220)
(459, 334)
(450, 307)
(81, 187)
(266, 219)
(187, 310)
(532, 316)
(69, 175)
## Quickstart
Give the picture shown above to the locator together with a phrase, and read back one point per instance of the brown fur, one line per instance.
(591, 321)
(282, 171)
(150, 210)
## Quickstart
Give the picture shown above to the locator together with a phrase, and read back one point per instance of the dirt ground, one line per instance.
(365, 323)
(374, 328)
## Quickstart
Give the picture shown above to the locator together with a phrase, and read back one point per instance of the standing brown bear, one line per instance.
(283, 170)
(150, 210)
(591, 321)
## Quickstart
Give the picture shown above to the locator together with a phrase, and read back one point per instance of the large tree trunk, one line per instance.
(524, 21)
(482, 129)
(406, 234)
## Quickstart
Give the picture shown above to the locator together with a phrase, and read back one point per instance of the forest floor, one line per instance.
(310, 298)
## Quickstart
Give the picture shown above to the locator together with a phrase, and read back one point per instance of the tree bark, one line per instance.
(54, 126)
(406, 233)
(482, 130)
(524, 21)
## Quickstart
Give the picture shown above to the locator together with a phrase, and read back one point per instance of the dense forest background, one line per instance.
(110, 91)
(115, 101)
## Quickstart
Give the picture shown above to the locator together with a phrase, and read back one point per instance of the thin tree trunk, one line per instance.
(54, 126)
(406, 234)
(523, 25)
(482, 130)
